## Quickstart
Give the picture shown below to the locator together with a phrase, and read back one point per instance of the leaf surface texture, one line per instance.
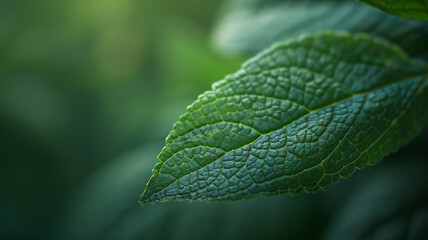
(297, 117)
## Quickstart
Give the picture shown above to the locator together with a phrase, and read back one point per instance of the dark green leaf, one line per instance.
(297, 117)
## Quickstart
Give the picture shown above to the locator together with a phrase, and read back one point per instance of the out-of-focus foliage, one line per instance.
(391, 204)
(246, 27)
(413, 9)
(85, 82)
(81, 82)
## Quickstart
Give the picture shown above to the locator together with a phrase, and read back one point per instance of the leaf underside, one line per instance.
(241, 22)
(297, 117)
(413, 9)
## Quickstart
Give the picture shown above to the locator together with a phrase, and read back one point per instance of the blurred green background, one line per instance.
(89, 89)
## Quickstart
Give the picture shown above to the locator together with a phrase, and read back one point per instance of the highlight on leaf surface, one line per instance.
(297, 117)
(413, 9)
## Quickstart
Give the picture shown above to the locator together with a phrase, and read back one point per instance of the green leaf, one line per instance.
(246, 27)
(413, 9)
(297, 117)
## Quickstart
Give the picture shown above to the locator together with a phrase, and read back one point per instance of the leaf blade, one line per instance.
(290, 121)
